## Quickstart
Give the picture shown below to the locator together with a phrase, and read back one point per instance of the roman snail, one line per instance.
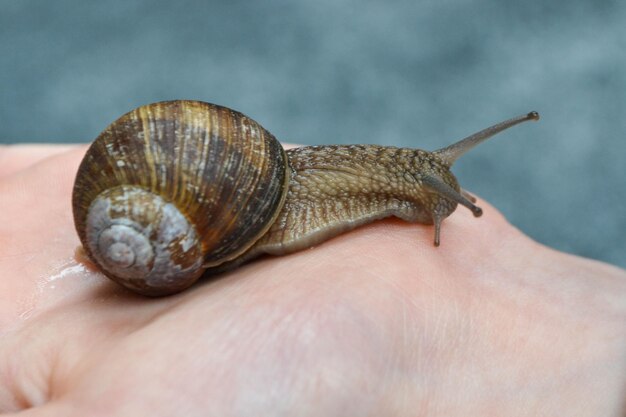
(175, 189)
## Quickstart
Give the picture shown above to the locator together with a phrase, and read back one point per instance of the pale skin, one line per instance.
(376, 322)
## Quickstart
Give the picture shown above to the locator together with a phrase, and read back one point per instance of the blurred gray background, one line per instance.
(404, 73)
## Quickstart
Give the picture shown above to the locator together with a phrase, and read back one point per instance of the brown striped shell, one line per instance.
(172, 188)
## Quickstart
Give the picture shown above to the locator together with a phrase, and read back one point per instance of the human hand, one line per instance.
(374, 322)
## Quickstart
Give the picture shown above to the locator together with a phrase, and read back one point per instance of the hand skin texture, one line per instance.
(376, 322)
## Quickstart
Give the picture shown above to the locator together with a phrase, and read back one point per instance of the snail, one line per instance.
(177, 189)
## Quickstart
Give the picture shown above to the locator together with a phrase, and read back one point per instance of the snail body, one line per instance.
(176, 189)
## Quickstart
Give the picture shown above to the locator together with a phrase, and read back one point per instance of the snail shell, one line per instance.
(174, 187)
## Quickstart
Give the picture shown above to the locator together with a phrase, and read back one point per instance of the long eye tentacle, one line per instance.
(451, 153)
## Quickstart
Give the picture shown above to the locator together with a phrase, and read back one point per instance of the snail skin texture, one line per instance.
(175, 189)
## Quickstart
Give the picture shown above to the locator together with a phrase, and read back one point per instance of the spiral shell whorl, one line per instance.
(143, 242)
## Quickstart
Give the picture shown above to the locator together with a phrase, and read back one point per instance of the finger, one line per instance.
(38, 244)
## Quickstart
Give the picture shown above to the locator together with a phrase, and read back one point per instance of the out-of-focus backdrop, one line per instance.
(404, 73)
